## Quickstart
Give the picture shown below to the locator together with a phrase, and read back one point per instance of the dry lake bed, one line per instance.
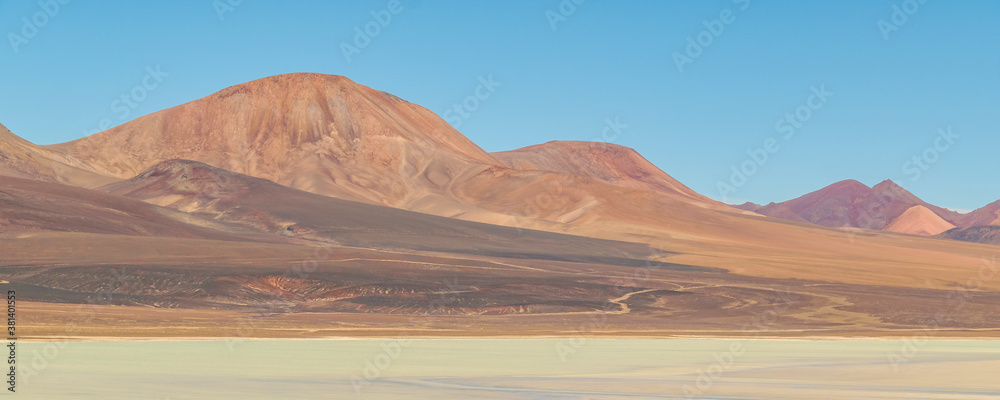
(510, 369)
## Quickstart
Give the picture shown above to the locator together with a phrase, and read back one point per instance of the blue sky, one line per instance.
(564, 73)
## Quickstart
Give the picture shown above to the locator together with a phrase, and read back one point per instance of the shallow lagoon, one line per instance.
(511, 368)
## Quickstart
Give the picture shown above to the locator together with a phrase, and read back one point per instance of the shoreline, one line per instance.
(101, 339)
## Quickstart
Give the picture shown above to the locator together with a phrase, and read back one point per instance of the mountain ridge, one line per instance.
(852, 204)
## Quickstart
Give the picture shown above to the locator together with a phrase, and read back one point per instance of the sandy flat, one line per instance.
(512, 368)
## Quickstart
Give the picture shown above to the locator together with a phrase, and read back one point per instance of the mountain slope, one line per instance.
(779, 211)
(21, 159)
(614, 164)
(266, 206)
(988, 215)
(29, 206)
(978, 234)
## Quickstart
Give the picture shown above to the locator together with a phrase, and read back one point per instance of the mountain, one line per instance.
(614, 164)
(919, 220)
(989, 234)
(847, 204)
(266, 206)
(987, 215)
(22, 159)
(853, 204)
(327, 135)
(779, 211)
(892, 190)
(749, 206)
(29, 207)
(319, 133)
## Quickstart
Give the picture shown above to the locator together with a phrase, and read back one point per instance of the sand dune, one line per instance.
(919, 220)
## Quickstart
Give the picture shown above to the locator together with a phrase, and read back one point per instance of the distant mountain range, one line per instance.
(886, 206)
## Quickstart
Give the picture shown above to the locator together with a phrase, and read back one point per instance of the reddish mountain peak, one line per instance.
(607, 162)
(894, 191)
(886, 184)
(600, 160)
(845, 189)
(748, 206)
(852, 203)
(847, 184)
(845, 203)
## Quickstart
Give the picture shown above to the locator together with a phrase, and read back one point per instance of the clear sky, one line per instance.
(564, 73)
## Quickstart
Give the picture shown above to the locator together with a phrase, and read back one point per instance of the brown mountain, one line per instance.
(614, 164)
(328, 135)
(320, 133)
